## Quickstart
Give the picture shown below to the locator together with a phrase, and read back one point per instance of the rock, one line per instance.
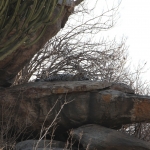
(85, 102)
(61, 87)
(43, 145)
(40, 145)
(95, 137)
(31, 148)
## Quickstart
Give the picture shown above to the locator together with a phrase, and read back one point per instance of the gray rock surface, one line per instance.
(95, 137)
(40, 145)
(74, 104)
(30, 148)
(85, 102)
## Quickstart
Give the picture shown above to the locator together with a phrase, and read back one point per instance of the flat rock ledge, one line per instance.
(74, 103)
(60, 87)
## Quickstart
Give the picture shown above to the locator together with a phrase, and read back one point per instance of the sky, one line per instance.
(134, 24)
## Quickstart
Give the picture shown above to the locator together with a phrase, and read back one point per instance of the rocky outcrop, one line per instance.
(43, 106)
(89, 137)
(77, 103)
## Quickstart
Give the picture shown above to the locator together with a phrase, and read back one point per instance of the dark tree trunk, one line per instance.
(13, 63)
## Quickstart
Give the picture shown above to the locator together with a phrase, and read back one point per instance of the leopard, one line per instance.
(46, 76)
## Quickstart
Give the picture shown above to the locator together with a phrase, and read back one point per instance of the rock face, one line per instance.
(40, 144)
(40, 106)
(95, 137)
(76, 103)
(91, 137)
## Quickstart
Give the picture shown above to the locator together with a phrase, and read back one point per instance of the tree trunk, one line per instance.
(14, 62)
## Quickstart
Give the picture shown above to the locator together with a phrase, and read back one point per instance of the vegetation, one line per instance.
(73, 50)
(20, 20)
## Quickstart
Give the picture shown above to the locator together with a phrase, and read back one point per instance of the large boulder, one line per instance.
(40, 145)
(95, 137)
(72, 104)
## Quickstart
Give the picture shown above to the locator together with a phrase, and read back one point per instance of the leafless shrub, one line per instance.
(10, 128)
(75, 49)
(142, 87)
(46, 130)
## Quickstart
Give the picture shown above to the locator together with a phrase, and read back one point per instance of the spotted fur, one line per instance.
(61, 77)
